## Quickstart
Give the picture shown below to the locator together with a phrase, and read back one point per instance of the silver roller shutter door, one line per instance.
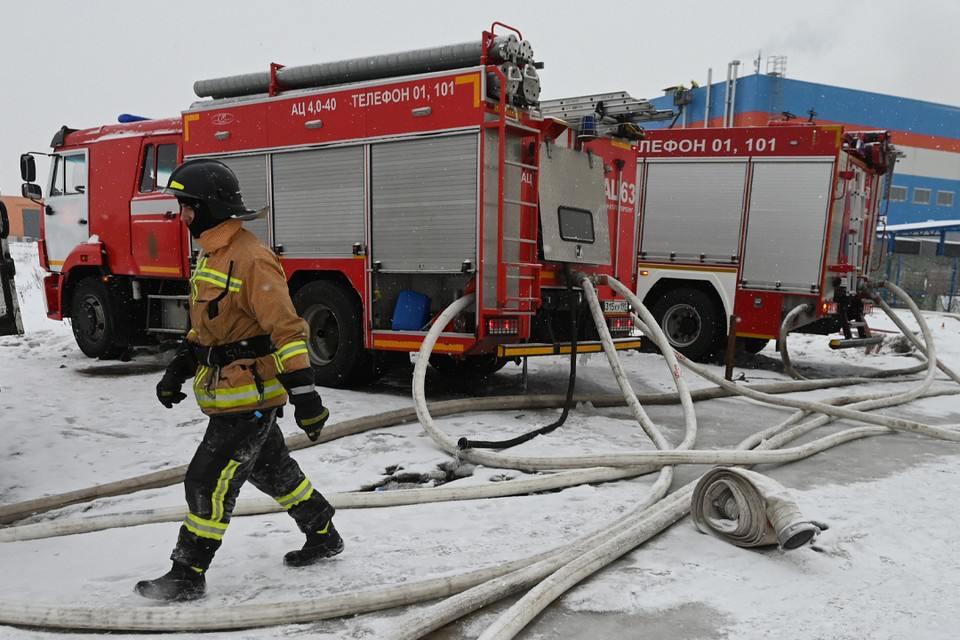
(424, 204)
(690, 222)
(318, 202)
(785, 229)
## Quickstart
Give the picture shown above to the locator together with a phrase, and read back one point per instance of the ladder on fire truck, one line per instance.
(518, 280)
(604, 114)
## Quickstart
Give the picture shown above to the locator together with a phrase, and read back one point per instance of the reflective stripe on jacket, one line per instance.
(237, 291)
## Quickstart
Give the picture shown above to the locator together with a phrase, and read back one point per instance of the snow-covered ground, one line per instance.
(888, 567)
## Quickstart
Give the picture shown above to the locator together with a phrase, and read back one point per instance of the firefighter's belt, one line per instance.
(223, 354)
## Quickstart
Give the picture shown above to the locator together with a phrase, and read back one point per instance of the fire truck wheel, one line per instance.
(95, 320)
(467, 366)
(753, 346)
(336, 334)
(691, 320)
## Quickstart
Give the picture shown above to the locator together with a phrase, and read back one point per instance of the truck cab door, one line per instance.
(156, 233)
(66, 219)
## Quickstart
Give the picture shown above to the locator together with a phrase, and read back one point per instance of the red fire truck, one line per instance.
(751, 222)
(387, 194)
(735, 227)
(392, 184)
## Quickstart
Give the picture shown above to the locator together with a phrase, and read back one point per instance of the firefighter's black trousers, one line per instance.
(237, 448)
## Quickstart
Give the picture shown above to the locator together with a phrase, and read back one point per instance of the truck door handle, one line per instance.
(169, 215)
(82, 221)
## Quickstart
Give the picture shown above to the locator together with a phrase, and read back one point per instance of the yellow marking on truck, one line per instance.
(512, 351)
(689, 267)
(474, 79)
(762, 336)
(187, 119)
(174, 270)
(407, 344)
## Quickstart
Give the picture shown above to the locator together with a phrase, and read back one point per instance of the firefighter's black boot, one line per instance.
(321, 544)
(180, 584)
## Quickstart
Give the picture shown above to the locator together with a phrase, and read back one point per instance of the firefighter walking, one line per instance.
(247, 354)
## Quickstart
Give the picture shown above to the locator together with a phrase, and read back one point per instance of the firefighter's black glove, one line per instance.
(308, 409)
(168, 391)
(310, 414)
(181, 368)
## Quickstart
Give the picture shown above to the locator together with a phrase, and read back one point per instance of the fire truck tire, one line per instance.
(336, 335)
(692, 322)
(467, 366)
(753, 346)
(95, 316)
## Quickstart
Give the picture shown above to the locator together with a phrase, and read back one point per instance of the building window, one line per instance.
(921, 196)
(31, 223)
(898, 194)
(944, 198)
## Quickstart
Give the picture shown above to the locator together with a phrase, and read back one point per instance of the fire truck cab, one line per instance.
(109, 240)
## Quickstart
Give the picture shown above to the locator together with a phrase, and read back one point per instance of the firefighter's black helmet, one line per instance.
(212, 183)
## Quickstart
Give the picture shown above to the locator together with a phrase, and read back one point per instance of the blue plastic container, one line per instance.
(412, 311)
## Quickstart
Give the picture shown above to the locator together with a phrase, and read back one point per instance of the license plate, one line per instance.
(615, 306)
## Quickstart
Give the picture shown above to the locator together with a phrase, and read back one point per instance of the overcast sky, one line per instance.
(82, 63)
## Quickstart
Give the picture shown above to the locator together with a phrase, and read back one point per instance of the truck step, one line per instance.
(853, 343)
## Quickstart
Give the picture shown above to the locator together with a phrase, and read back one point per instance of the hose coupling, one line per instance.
(797, 534)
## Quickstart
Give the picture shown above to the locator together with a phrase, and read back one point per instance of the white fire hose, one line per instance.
(610, 543)
(790, 321)
(618, 540)
(355, 500)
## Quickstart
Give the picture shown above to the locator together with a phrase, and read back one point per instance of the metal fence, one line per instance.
(932, 281)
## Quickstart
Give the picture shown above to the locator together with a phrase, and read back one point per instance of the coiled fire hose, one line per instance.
(653, 520)
(749, 509)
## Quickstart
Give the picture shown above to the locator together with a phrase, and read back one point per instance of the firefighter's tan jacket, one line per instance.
(244, 281)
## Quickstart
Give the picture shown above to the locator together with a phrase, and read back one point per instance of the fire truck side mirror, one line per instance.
(31, 191)
(28, 168)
